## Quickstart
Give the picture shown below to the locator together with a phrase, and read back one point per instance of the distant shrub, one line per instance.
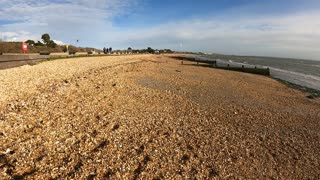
(30, 42)
(52, 44)
(150, 50)
(39, 44)
(72, 52)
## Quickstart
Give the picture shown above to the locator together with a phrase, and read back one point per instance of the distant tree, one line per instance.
(150, 50)
(129, 49)
(45, 38)
(135, 51)
(110, 49)
(168, 51)
(52, 44)
(38, 43)
(30, 42)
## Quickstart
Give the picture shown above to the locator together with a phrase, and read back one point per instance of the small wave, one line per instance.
(317, 78)
(310, 81)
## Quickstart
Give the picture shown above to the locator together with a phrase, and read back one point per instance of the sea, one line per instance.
(297, 71)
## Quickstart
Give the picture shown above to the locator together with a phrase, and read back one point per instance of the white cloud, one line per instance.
(17, 36)
(90, 22)
(64, 19)
(288, 36)
(59, 42)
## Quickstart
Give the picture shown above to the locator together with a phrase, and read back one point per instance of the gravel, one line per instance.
(148, 116)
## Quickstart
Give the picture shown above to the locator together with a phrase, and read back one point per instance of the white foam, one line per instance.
(307, 80)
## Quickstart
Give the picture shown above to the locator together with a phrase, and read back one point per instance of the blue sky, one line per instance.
(284, 28)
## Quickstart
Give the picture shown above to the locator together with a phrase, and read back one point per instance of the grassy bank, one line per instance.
(15, 47)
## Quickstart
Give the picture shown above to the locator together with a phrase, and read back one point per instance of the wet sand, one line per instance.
(148, 116)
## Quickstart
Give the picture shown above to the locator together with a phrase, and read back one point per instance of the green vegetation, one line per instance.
(47, 41)
(35, 47)
(46, 38)
(30, 42)
(150, 50)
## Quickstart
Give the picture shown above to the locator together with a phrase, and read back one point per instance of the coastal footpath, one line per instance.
(152, 117)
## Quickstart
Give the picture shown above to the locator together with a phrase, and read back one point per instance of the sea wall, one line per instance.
(9, 58)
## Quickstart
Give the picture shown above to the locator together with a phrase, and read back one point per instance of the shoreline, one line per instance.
(313, 93)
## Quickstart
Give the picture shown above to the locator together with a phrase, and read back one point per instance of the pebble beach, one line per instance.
(152, 117)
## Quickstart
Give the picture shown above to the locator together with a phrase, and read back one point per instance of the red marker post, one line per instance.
(24, 47)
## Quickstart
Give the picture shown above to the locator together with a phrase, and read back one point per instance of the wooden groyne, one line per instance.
(214, 64)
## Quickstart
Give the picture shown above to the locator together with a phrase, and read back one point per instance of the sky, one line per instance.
(277, 28)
